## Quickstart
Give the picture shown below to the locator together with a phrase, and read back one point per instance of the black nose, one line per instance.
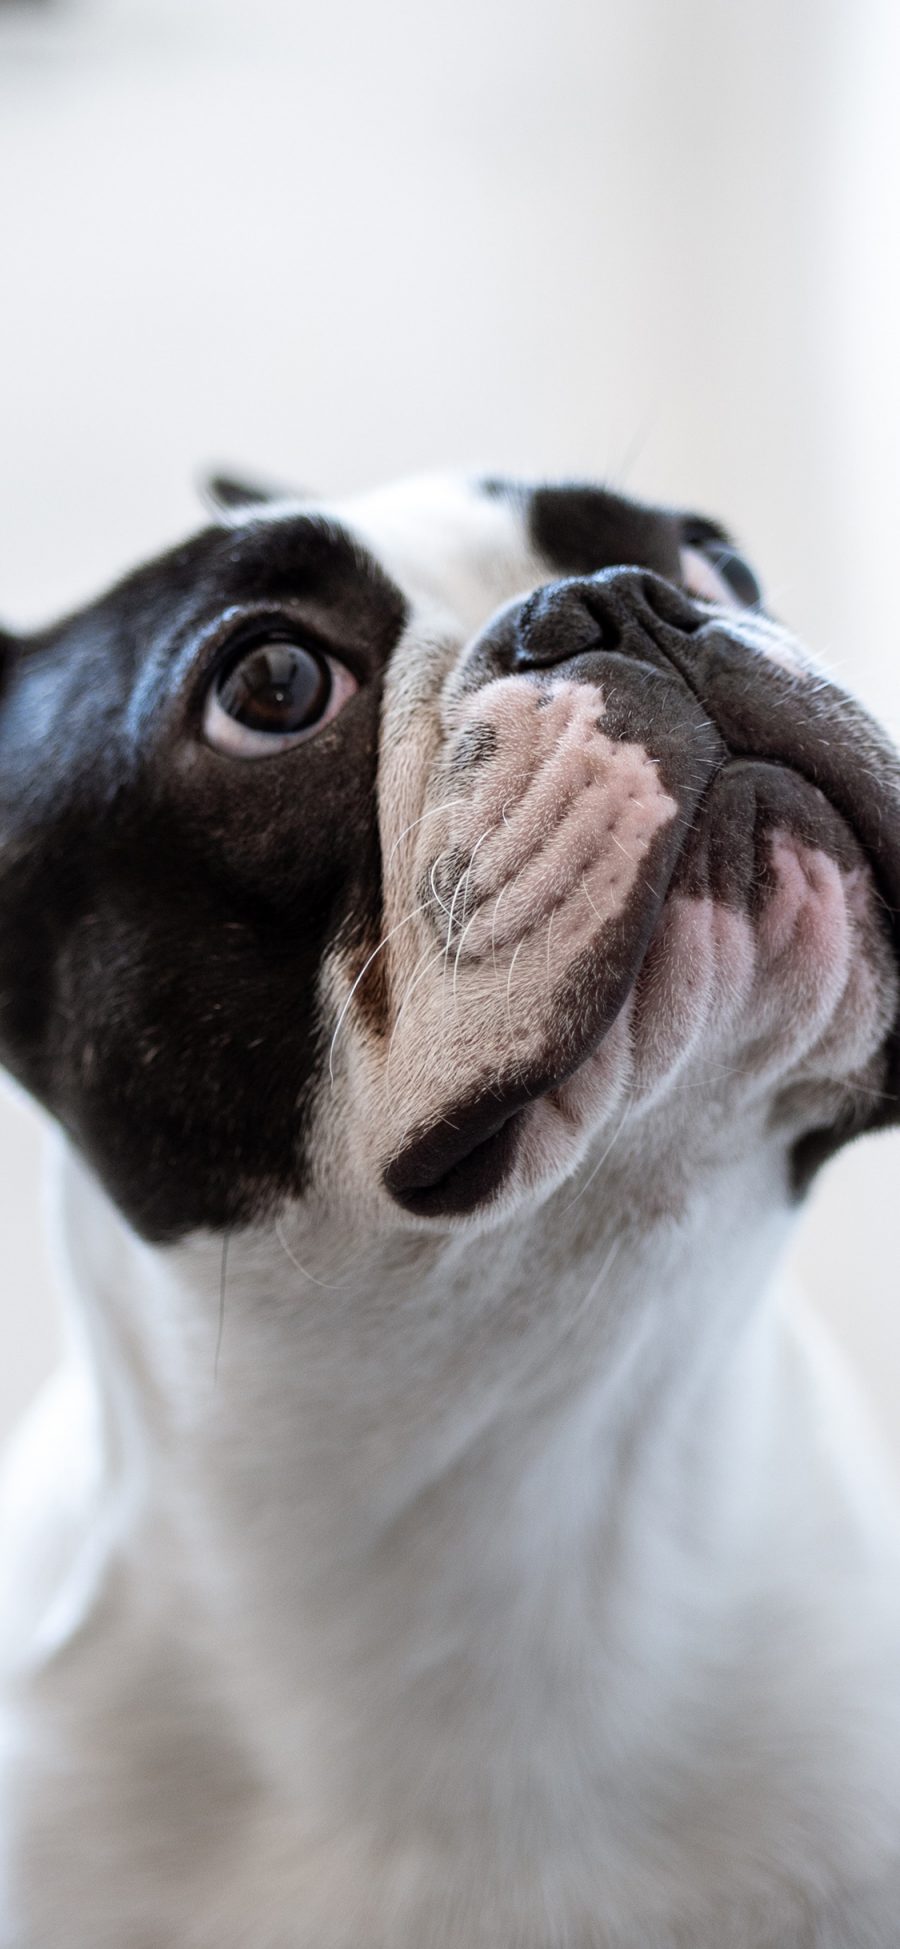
(629, 610)
(627, 632)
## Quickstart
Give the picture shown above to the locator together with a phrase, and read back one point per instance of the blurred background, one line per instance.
(649, 243)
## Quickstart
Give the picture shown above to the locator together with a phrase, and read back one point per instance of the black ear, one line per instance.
(7, 645)
(230, 498)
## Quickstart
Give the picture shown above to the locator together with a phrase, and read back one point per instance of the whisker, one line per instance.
(420, 909)
(327, 1285)
(431, 873)
(509, 977)
(424, 963)
(449, 940)
(485, 835)
(607, 1266)
(843, 1082)
(430, 814)
(599, 1164)
(464, 880)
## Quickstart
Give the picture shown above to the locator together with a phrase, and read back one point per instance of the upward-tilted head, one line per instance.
(399, 853)
(454, 925)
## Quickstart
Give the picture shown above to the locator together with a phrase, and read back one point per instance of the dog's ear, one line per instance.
(230, 497)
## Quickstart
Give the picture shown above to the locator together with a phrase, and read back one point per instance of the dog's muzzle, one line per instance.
(744, 739)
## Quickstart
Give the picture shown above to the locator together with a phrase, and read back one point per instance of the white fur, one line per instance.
(419, 1587)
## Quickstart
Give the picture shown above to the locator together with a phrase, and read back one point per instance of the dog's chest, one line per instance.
(266, 1890)
(467, 1847)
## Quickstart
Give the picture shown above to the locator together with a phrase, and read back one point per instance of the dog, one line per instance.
(451, 929)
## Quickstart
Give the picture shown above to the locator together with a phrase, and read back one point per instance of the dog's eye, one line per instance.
(271, 694)
(715, 571)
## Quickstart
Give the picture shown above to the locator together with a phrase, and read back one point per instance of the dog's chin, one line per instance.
(518, 1136)
(763, 955)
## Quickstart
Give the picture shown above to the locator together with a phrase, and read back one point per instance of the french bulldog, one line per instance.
(451, 929)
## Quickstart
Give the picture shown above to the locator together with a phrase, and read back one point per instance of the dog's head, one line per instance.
(402, 853)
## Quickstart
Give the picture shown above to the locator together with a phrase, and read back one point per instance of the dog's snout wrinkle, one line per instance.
(733, 730)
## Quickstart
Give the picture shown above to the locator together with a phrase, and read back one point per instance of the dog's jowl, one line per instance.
(451, 929)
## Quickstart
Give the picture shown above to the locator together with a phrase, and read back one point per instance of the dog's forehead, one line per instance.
(468, 544)
(447, 540)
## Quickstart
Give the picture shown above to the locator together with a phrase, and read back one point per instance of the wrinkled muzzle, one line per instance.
(653, 833)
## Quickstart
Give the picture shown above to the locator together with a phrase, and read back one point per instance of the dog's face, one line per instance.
(397, 856)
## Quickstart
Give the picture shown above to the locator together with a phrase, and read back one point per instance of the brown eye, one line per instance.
(276, 687)
(272, 694)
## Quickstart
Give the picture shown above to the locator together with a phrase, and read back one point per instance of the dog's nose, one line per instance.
(629, 610)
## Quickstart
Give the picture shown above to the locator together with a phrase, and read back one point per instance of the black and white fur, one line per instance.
(442, 1535)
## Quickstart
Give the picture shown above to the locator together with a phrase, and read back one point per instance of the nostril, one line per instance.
(615, 611)
(556, 625)
(670, 605)
(607, 627)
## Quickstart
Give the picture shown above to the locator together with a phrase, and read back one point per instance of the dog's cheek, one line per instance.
(825, 950)
(787, 1009)
(692, 993)
(825, 979)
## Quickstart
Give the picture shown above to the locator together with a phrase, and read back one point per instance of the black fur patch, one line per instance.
(579, 529)
(165, 908)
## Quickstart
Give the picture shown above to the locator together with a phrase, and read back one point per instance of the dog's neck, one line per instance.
(413, 1430)
(515, 1502)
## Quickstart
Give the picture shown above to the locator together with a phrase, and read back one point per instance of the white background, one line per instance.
(649, 242)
